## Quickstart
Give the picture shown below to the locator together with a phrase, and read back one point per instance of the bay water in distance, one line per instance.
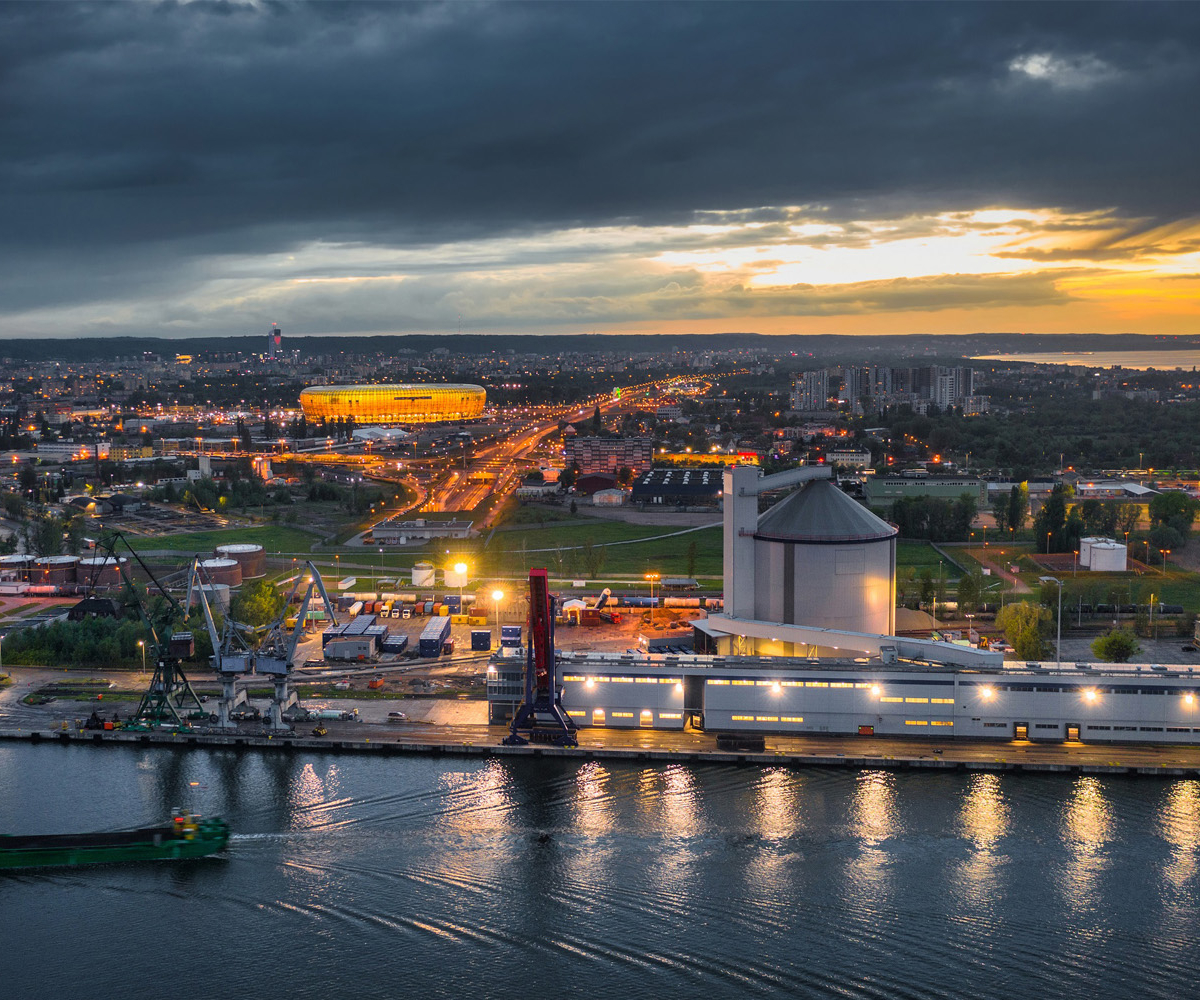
(460, 878)
(1161, 360)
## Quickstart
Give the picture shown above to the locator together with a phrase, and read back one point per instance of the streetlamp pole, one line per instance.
(142, 644)
(497, 597)
(461, 570)
(1165, 553)
(1058, 641)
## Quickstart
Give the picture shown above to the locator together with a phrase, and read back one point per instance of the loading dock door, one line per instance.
(1072, 732)
(1020, 730)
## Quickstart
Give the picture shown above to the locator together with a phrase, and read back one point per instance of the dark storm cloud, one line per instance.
(142, 133)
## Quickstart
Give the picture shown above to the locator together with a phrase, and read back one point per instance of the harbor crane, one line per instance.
(541, 718)
(170, 698)
(232, 656)
(277, 649)
(269, 650)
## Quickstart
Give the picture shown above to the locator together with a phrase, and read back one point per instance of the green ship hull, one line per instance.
(167, 843)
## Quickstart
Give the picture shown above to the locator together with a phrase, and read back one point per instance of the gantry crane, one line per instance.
(541, 717)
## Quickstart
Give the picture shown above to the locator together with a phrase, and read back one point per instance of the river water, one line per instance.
(362, 878)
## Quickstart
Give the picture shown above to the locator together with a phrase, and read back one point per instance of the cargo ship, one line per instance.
(187, 836)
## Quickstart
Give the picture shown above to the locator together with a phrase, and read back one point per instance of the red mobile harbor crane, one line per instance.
(541, 718)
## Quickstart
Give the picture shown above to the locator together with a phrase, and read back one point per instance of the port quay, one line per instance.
(898, 754)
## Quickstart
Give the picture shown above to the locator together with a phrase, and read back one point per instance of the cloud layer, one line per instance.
(205, 168)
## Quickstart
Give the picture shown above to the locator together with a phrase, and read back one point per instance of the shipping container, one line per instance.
(510, 635)
(458, 619)
(481, 640)
(375, 683)
(448, 647)
(477, 620)
(434, 635)
(349, 649)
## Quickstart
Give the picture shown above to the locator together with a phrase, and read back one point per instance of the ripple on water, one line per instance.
(453, 878)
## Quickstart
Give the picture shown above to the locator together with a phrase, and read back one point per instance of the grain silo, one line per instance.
(252, 558)
(226, 571)
(822, 559)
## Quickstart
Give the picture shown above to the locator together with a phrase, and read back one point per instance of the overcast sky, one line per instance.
(188, 169)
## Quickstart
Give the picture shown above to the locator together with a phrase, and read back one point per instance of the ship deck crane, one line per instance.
(540, 718)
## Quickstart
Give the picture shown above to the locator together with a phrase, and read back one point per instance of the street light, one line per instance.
(461, 569)
(1058, 640)
(652, 577)
(497, 597)
(142, 644)
(1165, 553)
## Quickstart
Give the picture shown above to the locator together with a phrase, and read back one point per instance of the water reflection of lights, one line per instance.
(873, 820)
(307, 790)
(775, 805)
(1086, 827)
(1179, 820)
(593, 802)
(984, 819)
(873, 808)
(478, 801)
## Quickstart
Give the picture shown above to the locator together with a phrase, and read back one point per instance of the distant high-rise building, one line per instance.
(810, 391)
(274, 342)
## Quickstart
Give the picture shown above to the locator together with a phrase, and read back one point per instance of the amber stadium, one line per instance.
(393, 404)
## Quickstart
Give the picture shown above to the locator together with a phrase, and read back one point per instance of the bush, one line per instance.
(1117, 646)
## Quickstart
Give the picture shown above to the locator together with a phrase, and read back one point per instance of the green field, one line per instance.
(272, 537)
(629, 550)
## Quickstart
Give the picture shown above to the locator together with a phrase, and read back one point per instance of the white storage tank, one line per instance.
(1108, 557)
(454, 578)
(218, 595)
(1085, 548)
(249, 556)
(822, 559)
(422, 574)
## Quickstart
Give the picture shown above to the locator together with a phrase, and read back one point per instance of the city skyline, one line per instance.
(206, 170)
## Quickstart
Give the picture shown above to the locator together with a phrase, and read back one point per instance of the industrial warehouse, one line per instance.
(803, 646)
(393, 404)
